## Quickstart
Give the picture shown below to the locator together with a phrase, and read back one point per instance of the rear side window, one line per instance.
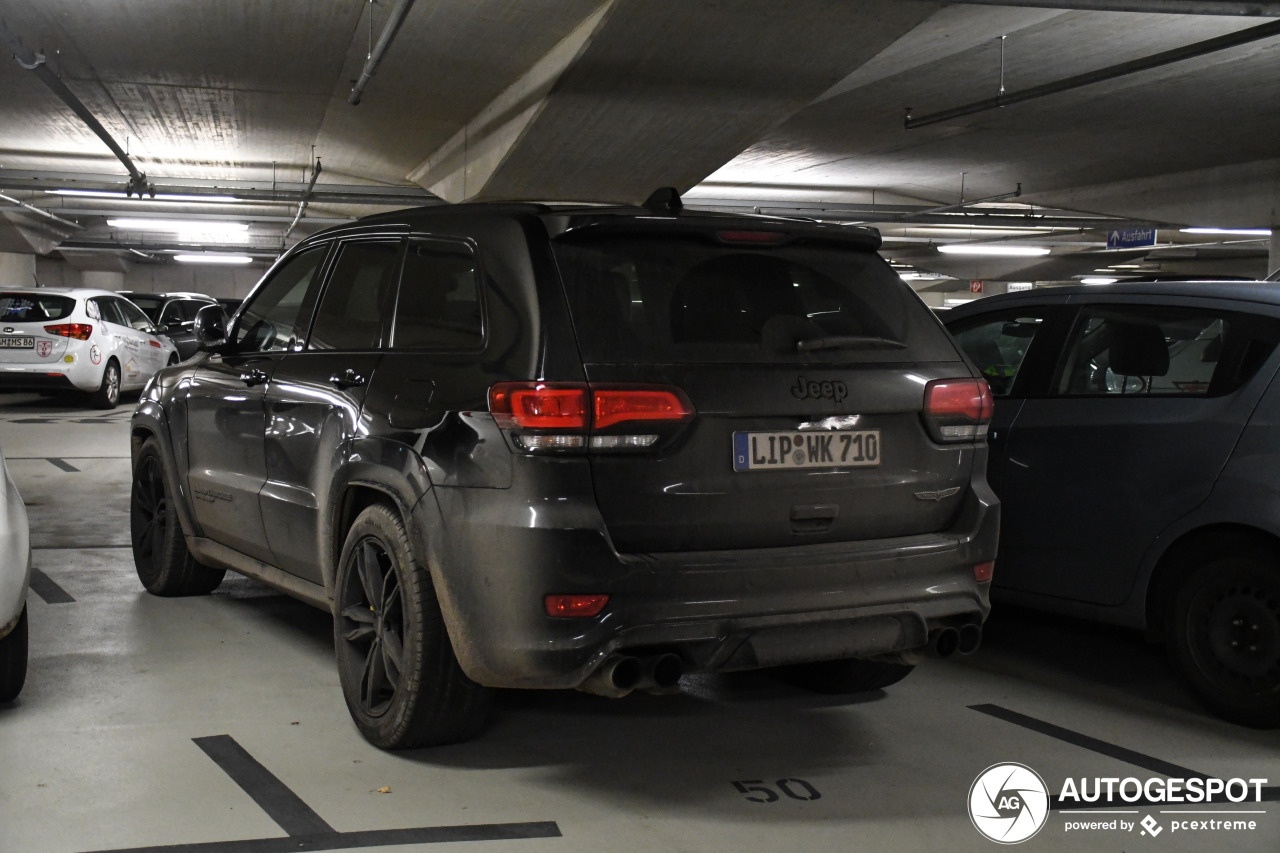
(1132, 351)
(353, 304)
(677, 298)
(109, 311)
(34, 307)
(439, 305)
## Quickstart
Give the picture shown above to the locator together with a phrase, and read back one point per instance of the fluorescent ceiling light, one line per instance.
(213, 258)
(179, 225)
(1253, 232)
(212, 199)
(976, 249)
(1095, 280)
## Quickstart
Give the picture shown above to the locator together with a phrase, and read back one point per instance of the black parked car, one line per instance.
(1135, 448)
(174, 313)
(534, 446)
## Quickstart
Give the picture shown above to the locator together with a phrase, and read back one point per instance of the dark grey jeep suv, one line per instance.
(538, 446)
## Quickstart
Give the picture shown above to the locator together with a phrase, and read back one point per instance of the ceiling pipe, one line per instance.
(1165, 7)
(376, 53)
(1167, 57)
(302, 205)
(41, 211)
(35, 62)
(908, 217)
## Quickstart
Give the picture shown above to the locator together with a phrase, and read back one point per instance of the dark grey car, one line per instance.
(524, 446)
(1135, 449)
(174, 313)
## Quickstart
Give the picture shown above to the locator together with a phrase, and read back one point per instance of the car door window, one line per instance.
(1135, 351)
(110, 312)
(276, 319)
(133, 316)
(351, 310)
(998, 345)
(439, 305)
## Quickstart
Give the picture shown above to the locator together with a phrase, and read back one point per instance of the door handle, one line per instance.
(348, 379)
(253, 377)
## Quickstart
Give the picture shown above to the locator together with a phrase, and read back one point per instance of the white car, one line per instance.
(15, 575)
(78, 339)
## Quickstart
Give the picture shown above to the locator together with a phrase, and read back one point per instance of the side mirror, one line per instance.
(210, 327)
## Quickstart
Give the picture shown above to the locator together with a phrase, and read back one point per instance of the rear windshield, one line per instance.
(34, 307)
(685, 298)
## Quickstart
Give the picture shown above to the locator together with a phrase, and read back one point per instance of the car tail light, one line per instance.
(983, 572)
(957, 409)
(551, 416)
(572, 606)
(79, 331)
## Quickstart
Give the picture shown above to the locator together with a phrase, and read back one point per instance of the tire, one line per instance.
(837, 677)
(1224, 635)
(108, 393)
(13, 660)
(400, 677)
(160, 554)
(173, 359)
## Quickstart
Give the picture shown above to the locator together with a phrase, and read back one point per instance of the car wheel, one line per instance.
(108, 393)
(13, 660)
(173, 359)
(846, 676)
(160, 554)
(1224, 635)
(399, 674)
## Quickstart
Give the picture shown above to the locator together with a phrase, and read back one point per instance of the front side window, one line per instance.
(274, 321)
(439, 305)
(1135, 351)
(357, 296)
(998, 345)
(133, 316)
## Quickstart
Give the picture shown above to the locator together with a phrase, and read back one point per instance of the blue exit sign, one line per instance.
(1131, 238)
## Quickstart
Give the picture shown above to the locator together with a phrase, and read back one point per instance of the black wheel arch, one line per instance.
(1188, 551)
(138, 436)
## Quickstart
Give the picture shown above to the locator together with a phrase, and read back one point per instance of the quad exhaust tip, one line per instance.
(621, 674)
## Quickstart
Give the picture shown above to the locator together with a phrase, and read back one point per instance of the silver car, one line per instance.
(15, 575)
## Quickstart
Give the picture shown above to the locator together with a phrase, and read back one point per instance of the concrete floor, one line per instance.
(217, 724)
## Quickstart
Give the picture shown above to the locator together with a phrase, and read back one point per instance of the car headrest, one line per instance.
(1138, 349)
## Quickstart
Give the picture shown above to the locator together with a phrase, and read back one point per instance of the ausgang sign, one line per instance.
(1131, 238)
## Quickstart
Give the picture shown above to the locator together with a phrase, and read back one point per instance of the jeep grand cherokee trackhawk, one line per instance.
(541, 446)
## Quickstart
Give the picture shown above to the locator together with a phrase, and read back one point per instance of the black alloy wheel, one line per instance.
(400, 677)
(1225, 636)
(160, 555)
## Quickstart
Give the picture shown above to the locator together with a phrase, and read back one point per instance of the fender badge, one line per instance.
(938, 495)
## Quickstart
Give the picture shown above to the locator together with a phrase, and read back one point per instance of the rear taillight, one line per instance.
(574, 606)
(957, 409)
(983, 572)
(79, 331)
(550, 416)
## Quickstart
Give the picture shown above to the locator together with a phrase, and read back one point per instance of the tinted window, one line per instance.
(133, 315)
(150, 305)
(1127, 351)
(351, 309)
(109, 311)
(439, 305)
(34, 307)
(686, 299)
(273, 321)
(997, 345)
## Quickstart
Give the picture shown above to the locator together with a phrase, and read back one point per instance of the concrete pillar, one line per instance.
(17, 270)
(103, 279)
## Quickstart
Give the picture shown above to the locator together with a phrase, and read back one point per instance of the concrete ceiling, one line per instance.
(741, 104)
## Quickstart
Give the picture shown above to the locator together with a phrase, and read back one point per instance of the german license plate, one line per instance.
(17, 342)
(760, 451)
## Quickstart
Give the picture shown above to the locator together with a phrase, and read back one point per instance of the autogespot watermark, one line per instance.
(1009, 803)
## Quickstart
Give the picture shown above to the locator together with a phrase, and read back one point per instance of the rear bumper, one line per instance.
(79, 375)
(719, 611)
